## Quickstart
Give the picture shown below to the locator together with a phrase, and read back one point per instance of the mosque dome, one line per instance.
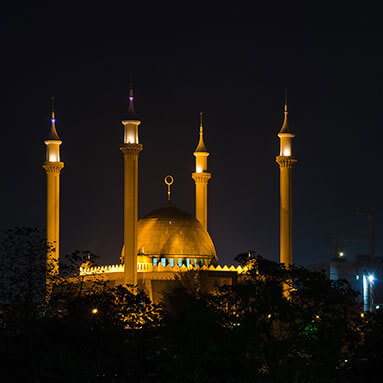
(170, 232)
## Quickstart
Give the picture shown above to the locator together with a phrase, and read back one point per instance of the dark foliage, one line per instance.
(276, 324)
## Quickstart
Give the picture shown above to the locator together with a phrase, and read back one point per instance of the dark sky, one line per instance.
(231, 63)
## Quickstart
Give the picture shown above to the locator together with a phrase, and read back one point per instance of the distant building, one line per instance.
(366, 280)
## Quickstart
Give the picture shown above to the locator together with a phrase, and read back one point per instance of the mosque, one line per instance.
(168, 240)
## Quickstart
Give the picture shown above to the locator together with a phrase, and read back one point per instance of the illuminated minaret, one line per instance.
(131, 149)
(201, 178)
(286, 162)
(53, 166)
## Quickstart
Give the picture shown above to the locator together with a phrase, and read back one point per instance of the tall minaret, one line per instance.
(131, 148)
(286, 162)
(53, 166)
(201, 178)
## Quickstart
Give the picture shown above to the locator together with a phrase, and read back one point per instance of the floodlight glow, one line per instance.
(341, 254)
(371, 278)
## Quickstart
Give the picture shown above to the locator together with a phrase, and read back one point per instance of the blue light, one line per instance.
(371, 278)
(53, 120)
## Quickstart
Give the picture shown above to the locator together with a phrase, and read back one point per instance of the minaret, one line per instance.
(131, 148)
(53, 166)
(201, 178)
(286, 162)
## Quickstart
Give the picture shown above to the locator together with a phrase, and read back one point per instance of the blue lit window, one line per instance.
(179, 262)
(201, 262)
(171, 261)
(155, 261)
(187, 262)
(195, 262)
(163, 261)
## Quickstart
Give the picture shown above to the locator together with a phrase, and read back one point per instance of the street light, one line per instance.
(371, 278)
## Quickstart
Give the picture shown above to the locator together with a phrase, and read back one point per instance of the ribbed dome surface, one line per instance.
(171, 232)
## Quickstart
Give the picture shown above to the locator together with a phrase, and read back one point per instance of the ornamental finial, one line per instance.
(53, 108)
(131, 86)
(285, 101)
(53, 136)
(169, 181)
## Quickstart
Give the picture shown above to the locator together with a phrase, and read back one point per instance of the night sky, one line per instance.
(231, 63)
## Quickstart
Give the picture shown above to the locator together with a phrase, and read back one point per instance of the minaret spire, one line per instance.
(53, 132)
(132, 115)
(201, 148)
(286, 126)
(53, 166)
(131, 149)
(201, 177)
(286, 162)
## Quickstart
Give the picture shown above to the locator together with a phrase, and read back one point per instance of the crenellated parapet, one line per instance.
(102, 269)
(159, 268)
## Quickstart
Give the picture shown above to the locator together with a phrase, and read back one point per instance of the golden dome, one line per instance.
(170, 232)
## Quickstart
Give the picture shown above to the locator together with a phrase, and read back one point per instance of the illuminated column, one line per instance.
(286, 163)
(201, 178)
(131, 150)
(53, 166)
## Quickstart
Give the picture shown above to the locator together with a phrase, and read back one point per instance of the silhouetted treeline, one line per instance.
(276, 324)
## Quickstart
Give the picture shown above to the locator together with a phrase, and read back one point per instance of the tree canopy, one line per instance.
(276, 324)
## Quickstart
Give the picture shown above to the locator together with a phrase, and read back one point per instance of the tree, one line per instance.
(22, 274)
(254, 331)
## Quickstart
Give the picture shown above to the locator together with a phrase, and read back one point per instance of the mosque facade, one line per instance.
(168, 240)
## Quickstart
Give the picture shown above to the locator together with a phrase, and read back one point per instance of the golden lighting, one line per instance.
(53, 150)
(362, 315)
(286, 151)
(94, 311)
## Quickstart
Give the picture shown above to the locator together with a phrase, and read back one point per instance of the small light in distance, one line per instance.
(362, 315)
(371, 278)
(341, 254)
(94, 311)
